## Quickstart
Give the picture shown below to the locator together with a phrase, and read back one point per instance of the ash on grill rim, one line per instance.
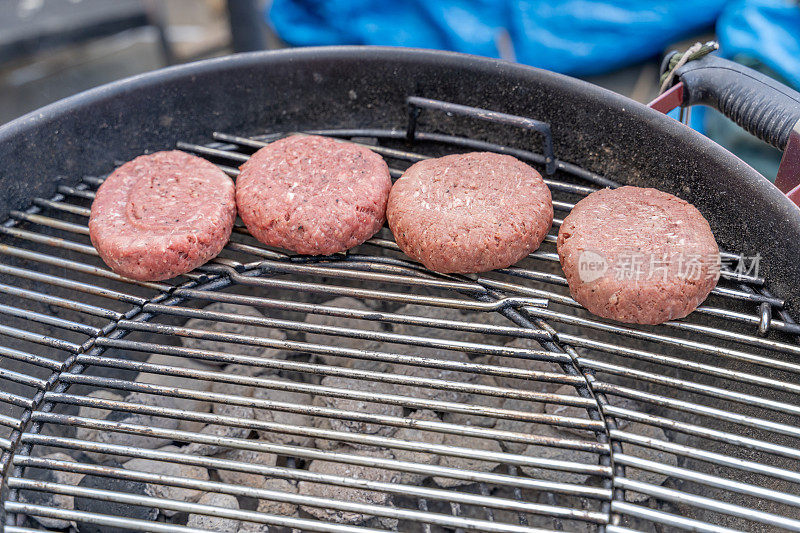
(749, 289)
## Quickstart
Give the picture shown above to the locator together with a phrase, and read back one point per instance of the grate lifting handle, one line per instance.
(416, 104)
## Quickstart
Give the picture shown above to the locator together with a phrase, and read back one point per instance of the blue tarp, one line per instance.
(571, 36)
(767, 31)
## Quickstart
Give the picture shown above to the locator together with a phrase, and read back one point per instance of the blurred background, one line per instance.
(50, 49)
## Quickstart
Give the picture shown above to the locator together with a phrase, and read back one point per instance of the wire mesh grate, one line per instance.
(360, 392)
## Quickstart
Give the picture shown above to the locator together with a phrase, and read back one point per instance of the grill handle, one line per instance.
(762, 106)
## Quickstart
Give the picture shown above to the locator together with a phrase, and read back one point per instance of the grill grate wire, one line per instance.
(713, 395)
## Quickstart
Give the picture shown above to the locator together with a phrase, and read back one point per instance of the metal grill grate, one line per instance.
(361, 392)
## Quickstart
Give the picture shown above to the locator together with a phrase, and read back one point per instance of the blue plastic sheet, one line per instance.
(767, 31)
(577, 37)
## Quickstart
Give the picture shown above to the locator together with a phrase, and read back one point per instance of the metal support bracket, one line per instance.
(668, 100)
(788, 179)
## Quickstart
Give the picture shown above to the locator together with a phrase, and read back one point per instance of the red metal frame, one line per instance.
(788, 180)
(669, 99)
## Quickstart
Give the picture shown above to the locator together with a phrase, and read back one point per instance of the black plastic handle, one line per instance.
(764, 107)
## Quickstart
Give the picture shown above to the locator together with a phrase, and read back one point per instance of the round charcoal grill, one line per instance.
(361, 392)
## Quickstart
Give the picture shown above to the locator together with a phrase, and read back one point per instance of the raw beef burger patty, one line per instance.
(469, 213)
(161, 215)
(313, 195)
(638, 255)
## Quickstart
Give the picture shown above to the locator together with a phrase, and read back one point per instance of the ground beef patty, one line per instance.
(469, 213)
(638, 255)
(161, 215)
(313, 195)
